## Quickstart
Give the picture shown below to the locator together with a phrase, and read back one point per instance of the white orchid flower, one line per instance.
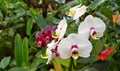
(77, 11)
(61, 29)
(74, 46)
(91, 27)
(51, 51)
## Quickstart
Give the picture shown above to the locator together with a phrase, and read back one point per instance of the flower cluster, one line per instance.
(44, 36)
(75, 44)
(50, 37)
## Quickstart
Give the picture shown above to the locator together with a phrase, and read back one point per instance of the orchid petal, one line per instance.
(83, 30)
(64, 48)
(84, 45)
(99, 25)
(51, 45)
(72, 10)
(89, 20)
(61, 29)
(50, 55)
(79, 12)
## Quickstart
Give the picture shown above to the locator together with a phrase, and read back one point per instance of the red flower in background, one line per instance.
(116, 18)
(44, 36)
(105, 52)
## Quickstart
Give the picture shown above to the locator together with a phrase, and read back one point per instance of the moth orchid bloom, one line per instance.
(74, 46)
(77, 11)
(51, 51)
(91, 27)
(61, 29)
(44, 36)
(105, 52)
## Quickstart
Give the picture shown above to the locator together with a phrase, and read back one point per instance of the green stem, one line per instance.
(72, 65)
(56, 65)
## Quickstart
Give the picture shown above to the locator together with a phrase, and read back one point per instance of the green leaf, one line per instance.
(95, 4)
(97, 46)
(29, 26)
(87, 60)
(18, 51)
(40, 21)
(33, 11)
(25, 49)
(64, 62)
(106, 12)
(4, 62)
(19, 69)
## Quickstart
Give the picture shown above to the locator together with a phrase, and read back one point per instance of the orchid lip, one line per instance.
(92, 28)
(74, 46)
(74, 51)
(94, 33)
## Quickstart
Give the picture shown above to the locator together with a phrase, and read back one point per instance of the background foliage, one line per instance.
(21, 19)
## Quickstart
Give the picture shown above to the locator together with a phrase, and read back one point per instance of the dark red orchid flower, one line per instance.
(44, 36)
(105, 52)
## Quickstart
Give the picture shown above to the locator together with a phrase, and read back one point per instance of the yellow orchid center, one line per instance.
(57, 34)
(47, 53)
(71, 13)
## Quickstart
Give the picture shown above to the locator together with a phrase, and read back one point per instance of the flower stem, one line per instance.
(72, 65)
(56, 65)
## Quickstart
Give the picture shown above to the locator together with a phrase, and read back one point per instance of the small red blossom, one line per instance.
(105, 52)
(116, 18)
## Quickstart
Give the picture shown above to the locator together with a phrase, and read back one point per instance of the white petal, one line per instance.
(51, 45)
(99, 25)
(100, 34)
(64, 48)
(72, 10)
(84, 30)
(89, 20)
(61, 29)
(50, 56)
(79, 12)
(84, 45)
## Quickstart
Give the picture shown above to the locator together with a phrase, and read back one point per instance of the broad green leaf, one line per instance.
(25, 49)
(40, 21)
(64, 62)
(97, 46)
(18, 51)
(4, 62)
(19, 69)
(106, 12)
(29, 26)
(95, 4)
(33, 11)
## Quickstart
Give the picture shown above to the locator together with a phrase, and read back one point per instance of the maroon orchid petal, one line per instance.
(50, 28)
(44, 36)
(38, 34)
